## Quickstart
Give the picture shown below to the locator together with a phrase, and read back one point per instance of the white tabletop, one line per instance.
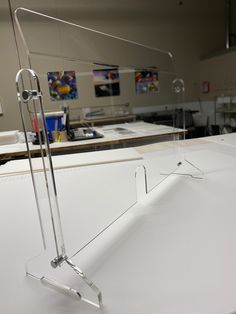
(113, 134)
(173, 252)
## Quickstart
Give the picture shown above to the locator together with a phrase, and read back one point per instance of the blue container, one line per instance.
(53, 123)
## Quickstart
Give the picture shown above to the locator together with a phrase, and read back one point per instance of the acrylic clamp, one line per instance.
(35, 95)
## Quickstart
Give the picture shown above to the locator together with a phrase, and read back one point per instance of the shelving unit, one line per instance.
(227, 108)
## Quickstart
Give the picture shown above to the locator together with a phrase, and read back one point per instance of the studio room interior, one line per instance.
(118, 156)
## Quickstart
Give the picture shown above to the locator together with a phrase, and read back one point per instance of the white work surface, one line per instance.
(113, 134)
(173, 252)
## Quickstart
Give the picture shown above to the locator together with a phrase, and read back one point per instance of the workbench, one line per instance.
(138, 133)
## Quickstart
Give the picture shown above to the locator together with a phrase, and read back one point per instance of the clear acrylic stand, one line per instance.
(197, 173)
(24, 97)
(148, 59)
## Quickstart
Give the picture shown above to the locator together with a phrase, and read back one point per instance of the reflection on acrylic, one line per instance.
(106, 82)
(146, 82)
(62, 85)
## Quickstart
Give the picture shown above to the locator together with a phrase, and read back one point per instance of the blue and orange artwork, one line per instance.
(62, 85)
(146, 81)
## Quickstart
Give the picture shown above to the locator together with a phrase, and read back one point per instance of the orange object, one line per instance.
(35, 125)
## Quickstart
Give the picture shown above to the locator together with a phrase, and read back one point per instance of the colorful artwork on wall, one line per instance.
(62, 85)
(146, 81)
(106, 82)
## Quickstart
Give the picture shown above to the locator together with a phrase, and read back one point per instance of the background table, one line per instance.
(138, 133)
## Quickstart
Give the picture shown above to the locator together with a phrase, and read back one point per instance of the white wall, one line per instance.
(8, 68)
(220, 71)
(188, 31)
